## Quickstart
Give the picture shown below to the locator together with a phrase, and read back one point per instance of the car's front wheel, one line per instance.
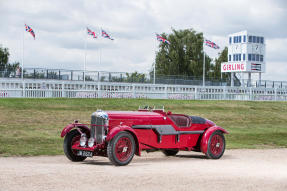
(121, 149)
(72, 137)
(216, 145)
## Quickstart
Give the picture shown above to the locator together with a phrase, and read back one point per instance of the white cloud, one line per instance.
(60, 30)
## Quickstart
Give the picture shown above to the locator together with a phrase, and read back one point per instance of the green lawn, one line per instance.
(33, 126)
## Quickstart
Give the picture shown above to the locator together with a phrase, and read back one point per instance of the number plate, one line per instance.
(85, 153)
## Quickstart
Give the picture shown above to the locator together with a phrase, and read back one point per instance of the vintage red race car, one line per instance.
(119, 135)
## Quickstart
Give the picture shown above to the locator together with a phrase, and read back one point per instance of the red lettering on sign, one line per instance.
(230, 67)
(237, 66)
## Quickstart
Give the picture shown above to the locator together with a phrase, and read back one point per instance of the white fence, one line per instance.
(76, 89)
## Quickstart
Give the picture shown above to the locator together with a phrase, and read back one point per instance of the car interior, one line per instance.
(180, 120)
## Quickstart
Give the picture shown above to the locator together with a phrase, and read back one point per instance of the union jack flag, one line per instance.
(106, 35)
(92, 33)
(211, 44)
(161, 39)
(28, 29)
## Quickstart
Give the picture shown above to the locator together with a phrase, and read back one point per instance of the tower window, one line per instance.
(253, 57)
(254, 39)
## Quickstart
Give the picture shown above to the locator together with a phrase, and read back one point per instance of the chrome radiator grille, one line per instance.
(98, 122)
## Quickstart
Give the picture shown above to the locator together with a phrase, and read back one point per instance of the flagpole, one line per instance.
(22, 68)
(154, 61)
(154, 72)
(203, 74)
(100, 56)
(22, 75)
(85, 61)
(100, 50)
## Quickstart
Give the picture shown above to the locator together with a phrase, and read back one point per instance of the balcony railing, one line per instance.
(103, 76)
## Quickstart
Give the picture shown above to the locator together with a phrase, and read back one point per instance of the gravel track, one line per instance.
(236, 170)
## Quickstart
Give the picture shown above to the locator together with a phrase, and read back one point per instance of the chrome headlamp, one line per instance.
(91, 142)
(83, 140)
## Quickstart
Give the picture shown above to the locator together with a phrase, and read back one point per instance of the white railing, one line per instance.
(76, 89)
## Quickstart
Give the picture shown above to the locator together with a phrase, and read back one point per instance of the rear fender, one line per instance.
(69, 127)
(207, 134)
(114, 131)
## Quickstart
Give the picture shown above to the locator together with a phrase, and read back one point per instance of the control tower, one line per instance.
(246, 54)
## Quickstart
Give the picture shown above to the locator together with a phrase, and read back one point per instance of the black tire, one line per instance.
(170, 152)
(220, 145)
(68, 146)
(112, 147)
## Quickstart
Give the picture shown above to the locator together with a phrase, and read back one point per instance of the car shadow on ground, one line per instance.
(225, 156)
(96, 162)
(143, 159)
(167, 158)
(192, 156)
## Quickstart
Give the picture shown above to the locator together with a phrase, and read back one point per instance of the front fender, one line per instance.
(114, 131)
(69, 127)
(207, 134)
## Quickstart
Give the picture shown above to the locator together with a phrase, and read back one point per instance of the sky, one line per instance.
(60, 28)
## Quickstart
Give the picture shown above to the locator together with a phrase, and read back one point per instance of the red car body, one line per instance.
(121, 134)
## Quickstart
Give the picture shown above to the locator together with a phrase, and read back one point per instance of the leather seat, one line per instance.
(180, 120)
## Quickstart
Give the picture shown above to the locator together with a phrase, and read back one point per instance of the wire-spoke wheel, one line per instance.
(70, 139)
(121, 149)
(216, 145)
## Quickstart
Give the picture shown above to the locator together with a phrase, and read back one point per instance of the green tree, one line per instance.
(135, 77)
(223, 57)
(6, 68)
(4, 57)
(184, 55)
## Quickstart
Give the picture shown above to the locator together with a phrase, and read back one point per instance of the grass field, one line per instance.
(33, 126)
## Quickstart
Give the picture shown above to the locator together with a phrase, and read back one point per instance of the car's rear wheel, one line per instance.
(170, 152)
(70, 139)
(121, 149)
(216, 145)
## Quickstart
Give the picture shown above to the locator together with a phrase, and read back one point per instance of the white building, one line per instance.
(246, 54)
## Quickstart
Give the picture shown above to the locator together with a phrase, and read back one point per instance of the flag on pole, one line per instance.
(106, 35)
(161, 39)
(30, 30)
(211, 44)
(92, 33)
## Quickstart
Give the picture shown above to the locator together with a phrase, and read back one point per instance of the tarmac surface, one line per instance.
(236, 170)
